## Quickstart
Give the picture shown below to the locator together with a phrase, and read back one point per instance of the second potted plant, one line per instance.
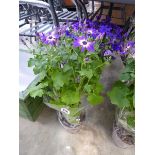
(122, 95)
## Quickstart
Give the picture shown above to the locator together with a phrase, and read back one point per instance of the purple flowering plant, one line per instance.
(70, 60)
(122, 93)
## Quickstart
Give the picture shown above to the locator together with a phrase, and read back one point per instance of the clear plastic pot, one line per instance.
(72, 124)
(70, 118)
(121, 120)
(121, 137)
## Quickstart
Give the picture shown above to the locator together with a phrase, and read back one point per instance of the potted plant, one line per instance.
(122, 95)
(70, 60)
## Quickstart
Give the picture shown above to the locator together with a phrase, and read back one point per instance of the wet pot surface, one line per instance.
(121, 137)
(73, 128)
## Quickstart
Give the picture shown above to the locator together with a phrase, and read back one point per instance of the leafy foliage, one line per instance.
(38, 90)
(70, 97)
(87, 73)
(122, 92)
(70, 61)
(128, 73)
(95, 99)
(131, 121)
(119, 95)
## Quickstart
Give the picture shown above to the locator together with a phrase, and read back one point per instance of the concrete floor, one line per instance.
(46, 136)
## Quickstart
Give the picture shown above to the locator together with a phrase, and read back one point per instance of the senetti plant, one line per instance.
(123, 91)
(70, 60)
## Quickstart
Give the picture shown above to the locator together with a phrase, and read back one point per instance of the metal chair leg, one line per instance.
(93, 6)
(78, 10)
(55, 18)
(110, 10)
(83, 8)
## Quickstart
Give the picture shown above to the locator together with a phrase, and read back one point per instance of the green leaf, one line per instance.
(88, 88)
(118, 95)
(42, 75)
(97, 63)
(99, 88)
(131, 121)
(36, 93)
(95, 99)
(31, 62)
(73, 56)
(88, 73)
(36, 70)
(128, 72)
(58, 79)
(127, 69)
(66, 67)
(124, 76)
(70, 97)
(132, 75)
(37, 90)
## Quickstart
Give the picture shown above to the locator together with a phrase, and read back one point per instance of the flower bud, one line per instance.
(107, 53)
(86, 59)
(100, 36)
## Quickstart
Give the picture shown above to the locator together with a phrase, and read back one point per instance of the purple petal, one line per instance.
(131, 43)
(76, 44)
(107, 53)
(82, 49)
(86, 59)
(46, 42)
(123, 52)
(90, 48)
(80, 38)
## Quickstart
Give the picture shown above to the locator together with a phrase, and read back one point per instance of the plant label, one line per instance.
(64, 110)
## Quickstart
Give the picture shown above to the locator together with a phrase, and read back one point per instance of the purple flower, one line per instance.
(41, 36)
(98, 17)
(105, 29)
(123, 52)
(130, 44)
(84, 44)
(51, 38)
(107, 53)
(69, 34)
(86, 59)
(63, 28)
(100, 36)
(116, 46)
(76, 26)
(128, 48)
(91, 31)
(54, 34)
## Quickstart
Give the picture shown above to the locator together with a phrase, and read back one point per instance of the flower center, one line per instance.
(50, 37)
(90, 32)
(84, 43)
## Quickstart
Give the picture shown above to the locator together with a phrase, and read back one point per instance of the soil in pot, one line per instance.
(71, 127)
(121, 137)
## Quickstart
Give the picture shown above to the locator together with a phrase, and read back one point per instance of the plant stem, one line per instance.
(99, 66)
(81, 82)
